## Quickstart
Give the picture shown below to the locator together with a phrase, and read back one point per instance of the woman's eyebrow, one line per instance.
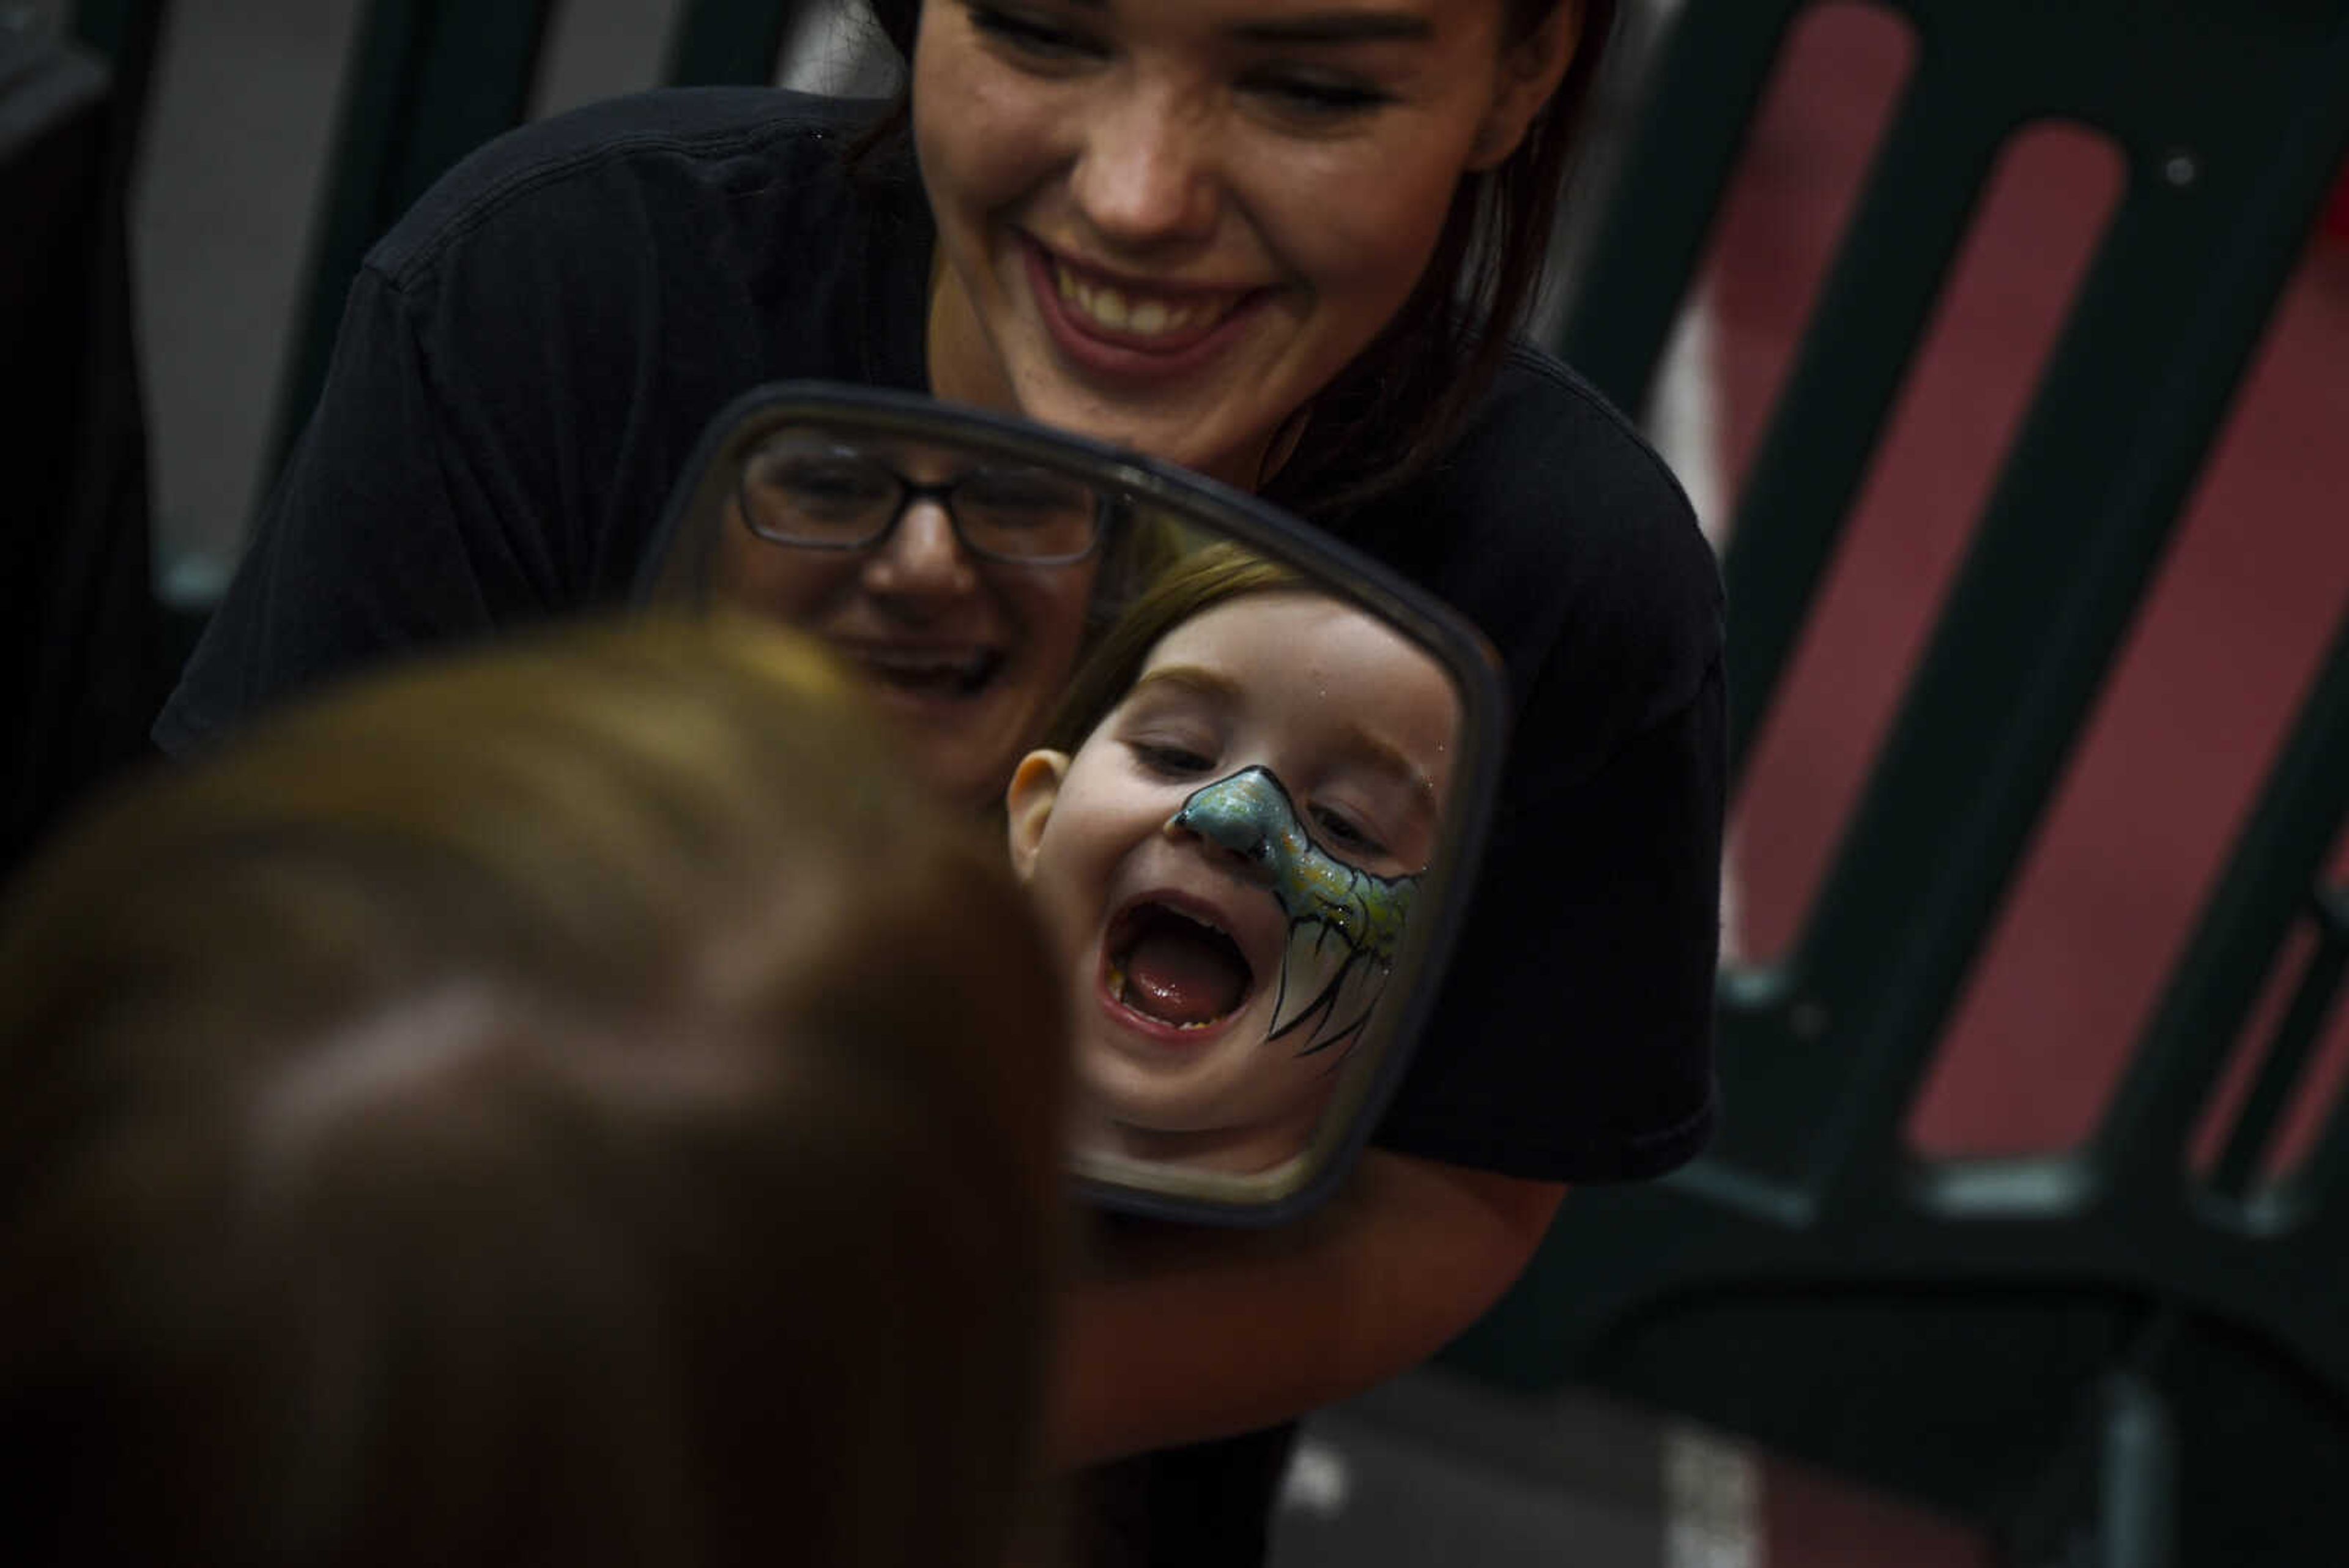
(1337, 27)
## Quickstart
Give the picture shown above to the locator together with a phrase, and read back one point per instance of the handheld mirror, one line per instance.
(1244, 771)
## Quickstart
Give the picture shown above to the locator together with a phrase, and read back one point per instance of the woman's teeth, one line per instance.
(959, 674)
(1140, 315)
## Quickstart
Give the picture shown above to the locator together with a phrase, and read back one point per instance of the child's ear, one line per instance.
(1530, 73)
(1028, 801)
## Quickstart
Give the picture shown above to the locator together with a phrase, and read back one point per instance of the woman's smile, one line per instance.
(1120, 332)
(927, 671)
(1146, 313)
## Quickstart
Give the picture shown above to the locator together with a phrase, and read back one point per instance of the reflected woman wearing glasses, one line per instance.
(961, 591)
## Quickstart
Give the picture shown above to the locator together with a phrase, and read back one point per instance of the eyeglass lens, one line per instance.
(830, 495)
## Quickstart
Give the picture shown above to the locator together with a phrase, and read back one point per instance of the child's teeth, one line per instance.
(1148, 317)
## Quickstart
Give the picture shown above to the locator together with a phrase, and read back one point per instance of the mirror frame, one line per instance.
(1212, 507)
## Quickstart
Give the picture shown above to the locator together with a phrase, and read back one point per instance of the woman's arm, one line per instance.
(1176, 1334)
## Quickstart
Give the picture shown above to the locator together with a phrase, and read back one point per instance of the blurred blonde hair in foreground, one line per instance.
(580, 1103)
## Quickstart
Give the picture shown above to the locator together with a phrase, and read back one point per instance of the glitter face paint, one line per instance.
(1345, 924)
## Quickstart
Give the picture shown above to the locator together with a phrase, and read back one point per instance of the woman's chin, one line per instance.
(1188, 431)
(962, 755)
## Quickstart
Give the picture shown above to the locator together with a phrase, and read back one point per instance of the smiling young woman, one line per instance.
(1176, 225)
(1284, 240)
(1209, 230)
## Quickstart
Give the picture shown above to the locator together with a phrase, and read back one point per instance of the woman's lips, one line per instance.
(951, 672)
(1131, 332)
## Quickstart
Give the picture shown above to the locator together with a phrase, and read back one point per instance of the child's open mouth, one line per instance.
(1176, 969)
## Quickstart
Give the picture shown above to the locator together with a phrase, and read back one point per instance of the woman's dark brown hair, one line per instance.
(582, 1104)
(1406, 397)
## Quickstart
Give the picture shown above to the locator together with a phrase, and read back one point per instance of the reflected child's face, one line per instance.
(1226, 865)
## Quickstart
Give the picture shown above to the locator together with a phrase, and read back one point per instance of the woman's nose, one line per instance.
(921, 558)
(1146, 174)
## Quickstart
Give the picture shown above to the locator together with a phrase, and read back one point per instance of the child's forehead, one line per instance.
(1241, 627)
(1230, 651)
(1306, 659)
(1263, 635)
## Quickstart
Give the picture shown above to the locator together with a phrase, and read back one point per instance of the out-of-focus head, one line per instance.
(579, 1104)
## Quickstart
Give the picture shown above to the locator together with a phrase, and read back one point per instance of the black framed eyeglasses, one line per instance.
(817, 492)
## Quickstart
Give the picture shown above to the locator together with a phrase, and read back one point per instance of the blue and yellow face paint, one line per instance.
(1345, 925)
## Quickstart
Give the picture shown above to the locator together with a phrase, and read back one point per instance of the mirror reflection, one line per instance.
(1226, 780)
(963, 589)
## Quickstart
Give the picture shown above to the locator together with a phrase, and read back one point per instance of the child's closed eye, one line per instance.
(1169, 759)
(1318, 98)
(1341, 831)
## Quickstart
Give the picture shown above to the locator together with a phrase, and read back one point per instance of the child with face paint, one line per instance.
(1225, 840)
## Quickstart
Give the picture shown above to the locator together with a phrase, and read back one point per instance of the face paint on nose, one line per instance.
(1344, 924)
